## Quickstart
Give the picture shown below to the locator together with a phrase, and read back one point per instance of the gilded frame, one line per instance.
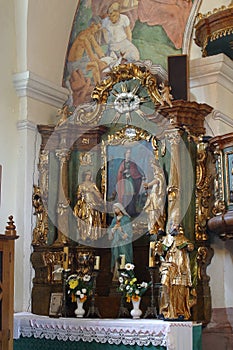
(229, 177)
(143, 148)
(55, 307)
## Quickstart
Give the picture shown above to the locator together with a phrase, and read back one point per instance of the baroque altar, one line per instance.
(131, 109)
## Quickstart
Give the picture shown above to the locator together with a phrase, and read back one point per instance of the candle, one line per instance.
(122, 264)
(151, 254)
(65, 258)
(97, 263)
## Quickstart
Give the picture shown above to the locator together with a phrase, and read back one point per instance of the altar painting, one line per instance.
(127, 167)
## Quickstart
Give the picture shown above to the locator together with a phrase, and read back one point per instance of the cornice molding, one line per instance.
(28, 84)
(26, 125)
(217, 115)
(210, 70)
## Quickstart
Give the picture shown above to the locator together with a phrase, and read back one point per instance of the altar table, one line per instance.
(106, 333)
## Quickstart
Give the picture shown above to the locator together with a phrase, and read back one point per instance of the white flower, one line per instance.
(129, 266)
(137, 291)
(59, 270)
(124, 274)
(78, 292)
(127, 287)
(121, 279)
(130, 290)
(144, 285)
(72, 277)
(84, 290)
(82, 296)
(86, 278)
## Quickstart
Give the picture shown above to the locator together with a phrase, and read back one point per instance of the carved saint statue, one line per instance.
(89, 209)
(155, 203)
(120, 233)
(178, 294)
(40, 232)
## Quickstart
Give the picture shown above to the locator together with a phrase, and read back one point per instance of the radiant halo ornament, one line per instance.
(127, 98)
(126, 88)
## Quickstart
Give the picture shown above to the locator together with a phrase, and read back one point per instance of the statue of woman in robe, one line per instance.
(155, 203)
(120, 233)
(89, 209)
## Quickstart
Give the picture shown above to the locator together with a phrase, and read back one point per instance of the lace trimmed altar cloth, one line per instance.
(142, 332)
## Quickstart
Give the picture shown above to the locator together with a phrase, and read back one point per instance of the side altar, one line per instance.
(129, 113)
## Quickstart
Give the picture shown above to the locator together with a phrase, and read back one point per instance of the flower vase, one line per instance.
(79, 312)
(136, 312)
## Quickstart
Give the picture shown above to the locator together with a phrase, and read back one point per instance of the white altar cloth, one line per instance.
(173, 335)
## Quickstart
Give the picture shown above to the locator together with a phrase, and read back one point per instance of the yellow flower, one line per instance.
(133, 281)
(73, 284)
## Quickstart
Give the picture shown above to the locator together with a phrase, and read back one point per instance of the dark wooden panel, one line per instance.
(178, 76)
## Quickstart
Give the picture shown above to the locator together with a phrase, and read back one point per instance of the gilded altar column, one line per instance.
(41, 191)
(63, 202)
(173, 189)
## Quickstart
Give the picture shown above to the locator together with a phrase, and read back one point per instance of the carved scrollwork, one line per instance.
(203, 192)
(43, 177)
(63, 155)
(40, 232)
(62, 207)
(88, 113)
(204, 256)
(52, 259)
(125, 72)
(85, 262)
(128, 134)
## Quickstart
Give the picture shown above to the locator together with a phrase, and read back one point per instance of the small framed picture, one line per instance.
(55, 308)
(57, 275)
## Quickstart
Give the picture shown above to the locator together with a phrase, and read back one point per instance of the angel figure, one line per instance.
(64, 114)
(165, 92)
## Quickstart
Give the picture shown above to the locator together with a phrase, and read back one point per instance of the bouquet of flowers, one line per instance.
(129, 285)
(79, 287)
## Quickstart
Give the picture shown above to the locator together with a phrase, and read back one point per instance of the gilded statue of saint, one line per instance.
(155, 203)
(178, 294)
(88, 209)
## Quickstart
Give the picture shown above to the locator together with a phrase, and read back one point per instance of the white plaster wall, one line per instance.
(211, 82)
(220, 272)
(8, 113)
(50, 24)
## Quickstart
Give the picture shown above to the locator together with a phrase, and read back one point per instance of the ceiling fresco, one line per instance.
(109, 33)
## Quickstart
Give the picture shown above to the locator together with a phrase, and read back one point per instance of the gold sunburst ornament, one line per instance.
(126, 88)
